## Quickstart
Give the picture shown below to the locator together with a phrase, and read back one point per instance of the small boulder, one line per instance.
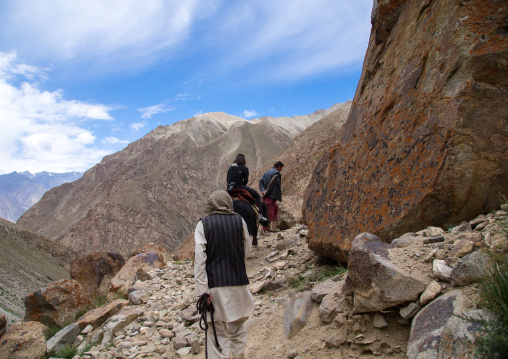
(297, 313)
(379, 321)
(320, 290)
(24, 340)
(138, 297)
(431, 292)
(377, 283)
(65, 336)
(98, 316)
(461, 248)
(57, 303)
(472, 268)
(441, 270)
(117, 322)
(257, 287)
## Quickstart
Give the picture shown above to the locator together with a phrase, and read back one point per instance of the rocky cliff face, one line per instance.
(426, 141)
(154, 190)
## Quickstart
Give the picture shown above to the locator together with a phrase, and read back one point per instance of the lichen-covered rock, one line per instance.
(95, 270)
(425, 141)
(57, 303)
(24, 340)
(428, 325)
(377, 283)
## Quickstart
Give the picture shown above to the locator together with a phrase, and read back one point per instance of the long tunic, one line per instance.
(231, 303)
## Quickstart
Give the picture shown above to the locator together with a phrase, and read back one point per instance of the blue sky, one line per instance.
(82, 79)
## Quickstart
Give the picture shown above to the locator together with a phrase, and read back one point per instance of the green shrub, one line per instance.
(99, 301)
(305, 282)
(52, 331)
(493, 339)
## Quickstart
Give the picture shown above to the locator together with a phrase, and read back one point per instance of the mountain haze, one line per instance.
(21, 190)
(154, 190)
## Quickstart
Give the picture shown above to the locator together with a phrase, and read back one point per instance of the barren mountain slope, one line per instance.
(28, 261)
(154, 190)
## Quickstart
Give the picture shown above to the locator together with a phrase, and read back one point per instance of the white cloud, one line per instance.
(138, 125)
(249, 113)
(115, 32)
(278, 40)
(112, 139)
(148, 112)
(292, 39)
(40, 129)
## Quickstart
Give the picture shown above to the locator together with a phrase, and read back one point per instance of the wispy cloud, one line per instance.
(138, 125)
(249, 113)
(40, 129)
(112, 139)
(116, 33)
(149, 111)
(278, 40)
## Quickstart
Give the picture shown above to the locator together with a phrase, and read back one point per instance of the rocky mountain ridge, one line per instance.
(21, 190)
(152, 191)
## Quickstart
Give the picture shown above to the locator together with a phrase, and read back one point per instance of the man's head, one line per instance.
(219, 202)
(278, 165)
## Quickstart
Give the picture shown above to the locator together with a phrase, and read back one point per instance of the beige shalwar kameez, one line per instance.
(233, 304)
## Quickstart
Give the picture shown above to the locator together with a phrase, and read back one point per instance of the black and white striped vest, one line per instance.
(225, 254)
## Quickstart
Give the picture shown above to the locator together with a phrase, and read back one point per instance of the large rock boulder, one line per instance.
(64, 337)
(24, 340)
(153, 247)
(377, 283)
(472, 268)
(95, 270)
(425, 141)
(57, 304)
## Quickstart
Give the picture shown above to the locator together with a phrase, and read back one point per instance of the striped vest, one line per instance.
(225, 255)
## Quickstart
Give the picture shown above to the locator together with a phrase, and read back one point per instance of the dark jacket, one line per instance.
(274, 190)
(238, 174)
(225, 253)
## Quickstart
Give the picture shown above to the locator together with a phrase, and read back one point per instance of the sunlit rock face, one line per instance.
(426, 141)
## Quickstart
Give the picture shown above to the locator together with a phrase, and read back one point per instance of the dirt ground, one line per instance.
(356, 338)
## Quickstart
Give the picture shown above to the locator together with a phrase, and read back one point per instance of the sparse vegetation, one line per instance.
(67, 352)
(305, 282)
(99, 300)
(51, 332)
(80, 313)
(493, 339)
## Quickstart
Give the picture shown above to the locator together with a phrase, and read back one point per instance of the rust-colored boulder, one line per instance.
(57, 304)
(426, 141)
(95, 270)
(24, 340)
(127, 275)
(153, 247)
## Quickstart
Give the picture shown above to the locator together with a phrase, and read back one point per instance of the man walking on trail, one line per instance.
(270, 187)
(222, 243)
